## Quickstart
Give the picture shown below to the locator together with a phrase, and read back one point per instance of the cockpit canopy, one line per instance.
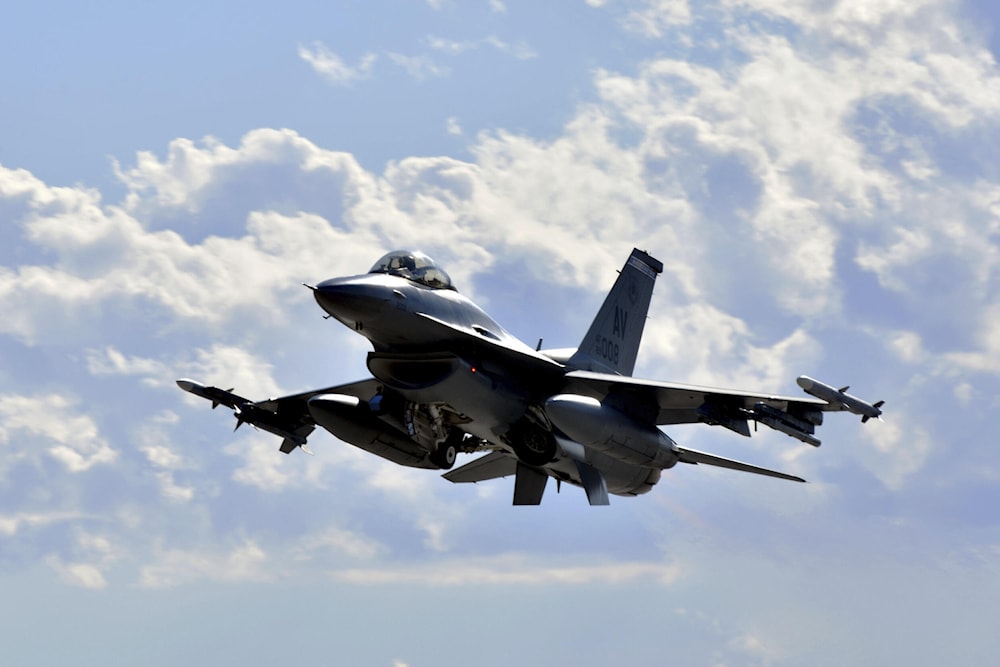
(415, 266)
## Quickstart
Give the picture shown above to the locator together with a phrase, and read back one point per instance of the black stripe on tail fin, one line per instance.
(612, 342)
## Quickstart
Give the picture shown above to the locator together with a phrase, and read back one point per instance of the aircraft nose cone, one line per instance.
(347, 299)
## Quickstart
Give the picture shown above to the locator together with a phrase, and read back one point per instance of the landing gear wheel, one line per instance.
(445, 454)
(532, 444)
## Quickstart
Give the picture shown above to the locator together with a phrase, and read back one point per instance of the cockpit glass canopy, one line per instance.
(415, 266)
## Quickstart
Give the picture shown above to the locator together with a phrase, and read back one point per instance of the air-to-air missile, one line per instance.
(840, 397)
(247, 412)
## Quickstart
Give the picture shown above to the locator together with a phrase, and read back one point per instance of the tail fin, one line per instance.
(612, 342)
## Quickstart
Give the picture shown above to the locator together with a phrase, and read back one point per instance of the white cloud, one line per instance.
(754, 646)
(965, 392)
(419, 67)
(163, 457)
(512, 570)
(84, 575)
(10, 524)
(451, 47)
(110, 361)
(68, 437)
(171, 489)
(336, 541)
(332, 67)
(416, 491)
(725, 354)
(754, 181)
(519, 49)
(264, 466)
(155, 444)
(900, 449)
(986, 358)
(656, 17)
(100, 554)
(240, 368)
(174, 567)
(908, 346)
(108, 256)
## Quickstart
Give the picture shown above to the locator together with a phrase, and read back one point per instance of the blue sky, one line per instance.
(819, 180)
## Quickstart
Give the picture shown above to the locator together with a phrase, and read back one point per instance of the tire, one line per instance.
(444, 456)
(532, 444)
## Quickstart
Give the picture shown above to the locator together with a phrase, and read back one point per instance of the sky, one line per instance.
(818, 178)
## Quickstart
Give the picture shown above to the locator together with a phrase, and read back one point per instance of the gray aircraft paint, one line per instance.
(447, 379)
(611, 345)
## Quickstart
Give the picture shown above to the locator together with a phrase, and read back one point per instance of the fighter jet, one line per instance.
(447, 380)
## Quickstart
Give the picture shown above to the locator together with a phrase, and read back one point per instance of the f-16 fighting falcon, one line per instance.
(447, 379)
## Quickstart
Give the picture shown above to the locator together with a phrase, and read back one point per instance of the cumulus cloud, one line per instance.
(110, 361)
(261, 468)
(767, 183)
(900, 449)
(655, 17)
(166, 462)
(725, 353)
(67, 436)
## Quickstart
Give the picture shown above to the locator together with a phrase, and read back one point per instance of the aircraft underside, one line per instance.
(448, 380)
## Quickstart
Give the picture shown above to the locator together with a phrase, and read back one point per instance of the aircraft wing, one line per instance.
(287, 416)
(665, 403)
(364, 389)
(491, 466)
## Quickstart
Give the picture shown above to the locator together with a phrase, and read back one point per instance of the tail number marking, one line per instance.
(607, 349)
(621, 321)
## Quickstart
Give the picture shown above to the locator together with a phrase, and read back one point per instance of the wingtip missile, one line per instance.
(214, 394)
(293, 432)
(189, 385)
(840, 397)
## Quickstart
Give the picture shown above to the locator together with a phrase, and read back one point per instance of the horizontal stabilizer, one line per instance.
(491, 466)
(693, 456)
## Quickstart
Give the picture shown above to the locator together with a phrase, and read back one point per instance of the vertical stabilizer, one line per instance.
(612, 342)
